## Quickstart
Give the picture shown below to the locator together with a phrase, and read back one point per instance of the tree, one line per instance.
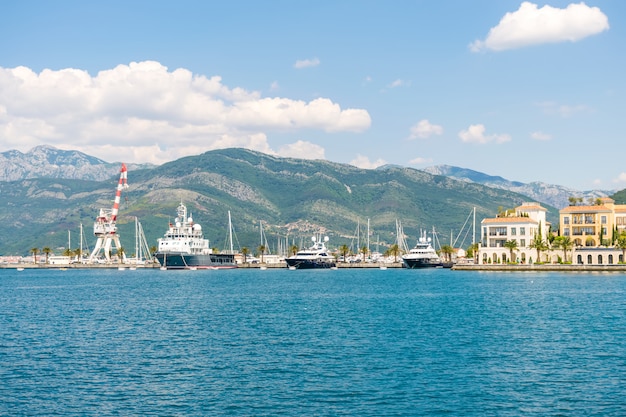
(395, 251)
(120, 254)
(245, 252)
(262, 249)
(344, 250)
(621, 244)
(35, 251)
(565, 243)
(293, 249)
(46, 250)
(511, 245)
(539, 245)
(68, 252)
(447, 251)
(473, 251)
(364, 251)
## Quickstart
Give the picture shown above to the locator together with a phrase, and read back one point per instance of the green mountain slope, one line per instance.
(290, 197)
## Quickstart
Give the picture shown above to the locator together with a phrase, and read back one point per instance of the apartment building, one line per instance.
(521, 224)
(593, 225)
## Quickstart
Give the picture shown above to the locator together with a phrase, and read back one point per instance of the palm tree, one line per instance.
(47, 251)
(245, 252)
(621, 244)
(364, 251)
(35, 251)
(447, 251)
(79, 254)
(565, 243)
(293, 249)
(539, 245)
(261, 250)
(68, 252)
(511, 245)
(344, 250)
(472, 251)
(395, 251)
(120, 254)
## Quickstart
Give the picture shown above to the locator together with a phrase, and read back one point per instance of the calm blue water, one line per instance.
(346, 342)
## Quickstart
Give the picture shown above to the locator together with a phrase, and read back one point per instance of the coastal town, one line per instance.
(590, 236)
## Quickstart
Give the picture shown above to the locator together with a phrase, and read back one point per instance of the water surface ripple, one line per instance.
(278, 342)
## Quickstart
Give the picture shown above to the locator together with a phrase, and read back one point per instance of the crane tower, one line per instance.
(104, 228)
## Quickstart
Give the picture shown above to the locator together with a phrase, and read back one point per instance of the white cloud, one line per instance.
(424, 129)
(143, 110)
(302, 149)
(398, 83)
(540, 136)
(563, 110)
(531, 25)
(420, 161)
(621, 178)
(476, 134)
(306, 63)
(364, 162)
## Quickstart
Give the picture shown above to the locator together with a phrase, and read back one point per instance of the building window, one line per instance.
(566, 220)
(522, 231)
(566, 231)
(522, 243)
(513, 231)
(603, 219)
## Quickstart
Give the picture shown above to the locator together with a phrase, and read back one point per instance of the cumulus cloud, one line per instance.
(306, 63)
(302, 149)
(531, 25)
(476, 134)
(365, 163)
(424, 129)
(145, 110)
(540, 136)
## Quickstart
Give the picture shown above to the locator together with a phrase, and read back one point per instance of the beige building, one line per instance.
(521, 224)
(588, 226)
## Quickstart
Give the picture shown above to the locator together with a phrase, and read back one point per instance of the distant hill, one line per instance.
(49, 162)
(292, 198)
(552, 195)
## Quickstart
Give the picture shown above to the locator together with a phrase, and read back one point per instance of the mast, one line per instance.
(230, 233)
(474, 228)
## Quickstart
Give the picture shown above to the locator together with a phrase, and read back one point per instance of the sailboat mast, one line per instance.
(230, 233)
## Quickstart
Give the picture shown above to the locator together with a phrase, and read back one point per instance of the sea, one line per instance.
(351, 342)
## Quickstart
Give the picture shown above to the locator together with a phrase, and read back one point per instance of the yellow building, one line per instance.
(589, 225)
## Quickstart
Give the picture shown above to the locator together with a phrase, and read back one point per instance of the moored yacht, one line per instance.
(423, 255)
(315, 257)
(184, 247)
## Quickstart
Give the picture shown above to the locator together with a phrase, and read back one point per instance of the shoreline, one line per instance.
(397, 265)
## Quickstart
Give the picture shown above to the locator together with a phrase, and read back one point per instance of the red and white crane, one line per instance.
(104, 228)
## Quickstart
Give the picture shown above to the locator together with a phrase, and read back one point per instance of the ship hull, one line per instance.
(309, 264)
(422, 263)
(189, 261)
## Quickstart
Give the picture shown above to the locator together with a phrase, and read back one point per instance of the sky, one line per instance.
(530, 91)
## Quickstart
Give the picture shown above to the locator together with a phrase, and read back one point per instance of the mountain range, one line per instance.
(49, 162)
(549, 194)
(291, 199)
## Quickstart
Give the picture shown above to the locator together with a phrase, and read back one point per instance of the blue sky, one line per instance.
(530, 91)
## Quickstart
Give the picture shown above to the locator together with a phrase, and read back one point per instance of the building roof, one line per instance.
(530, 206)
(585, 209)
(503, 220)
